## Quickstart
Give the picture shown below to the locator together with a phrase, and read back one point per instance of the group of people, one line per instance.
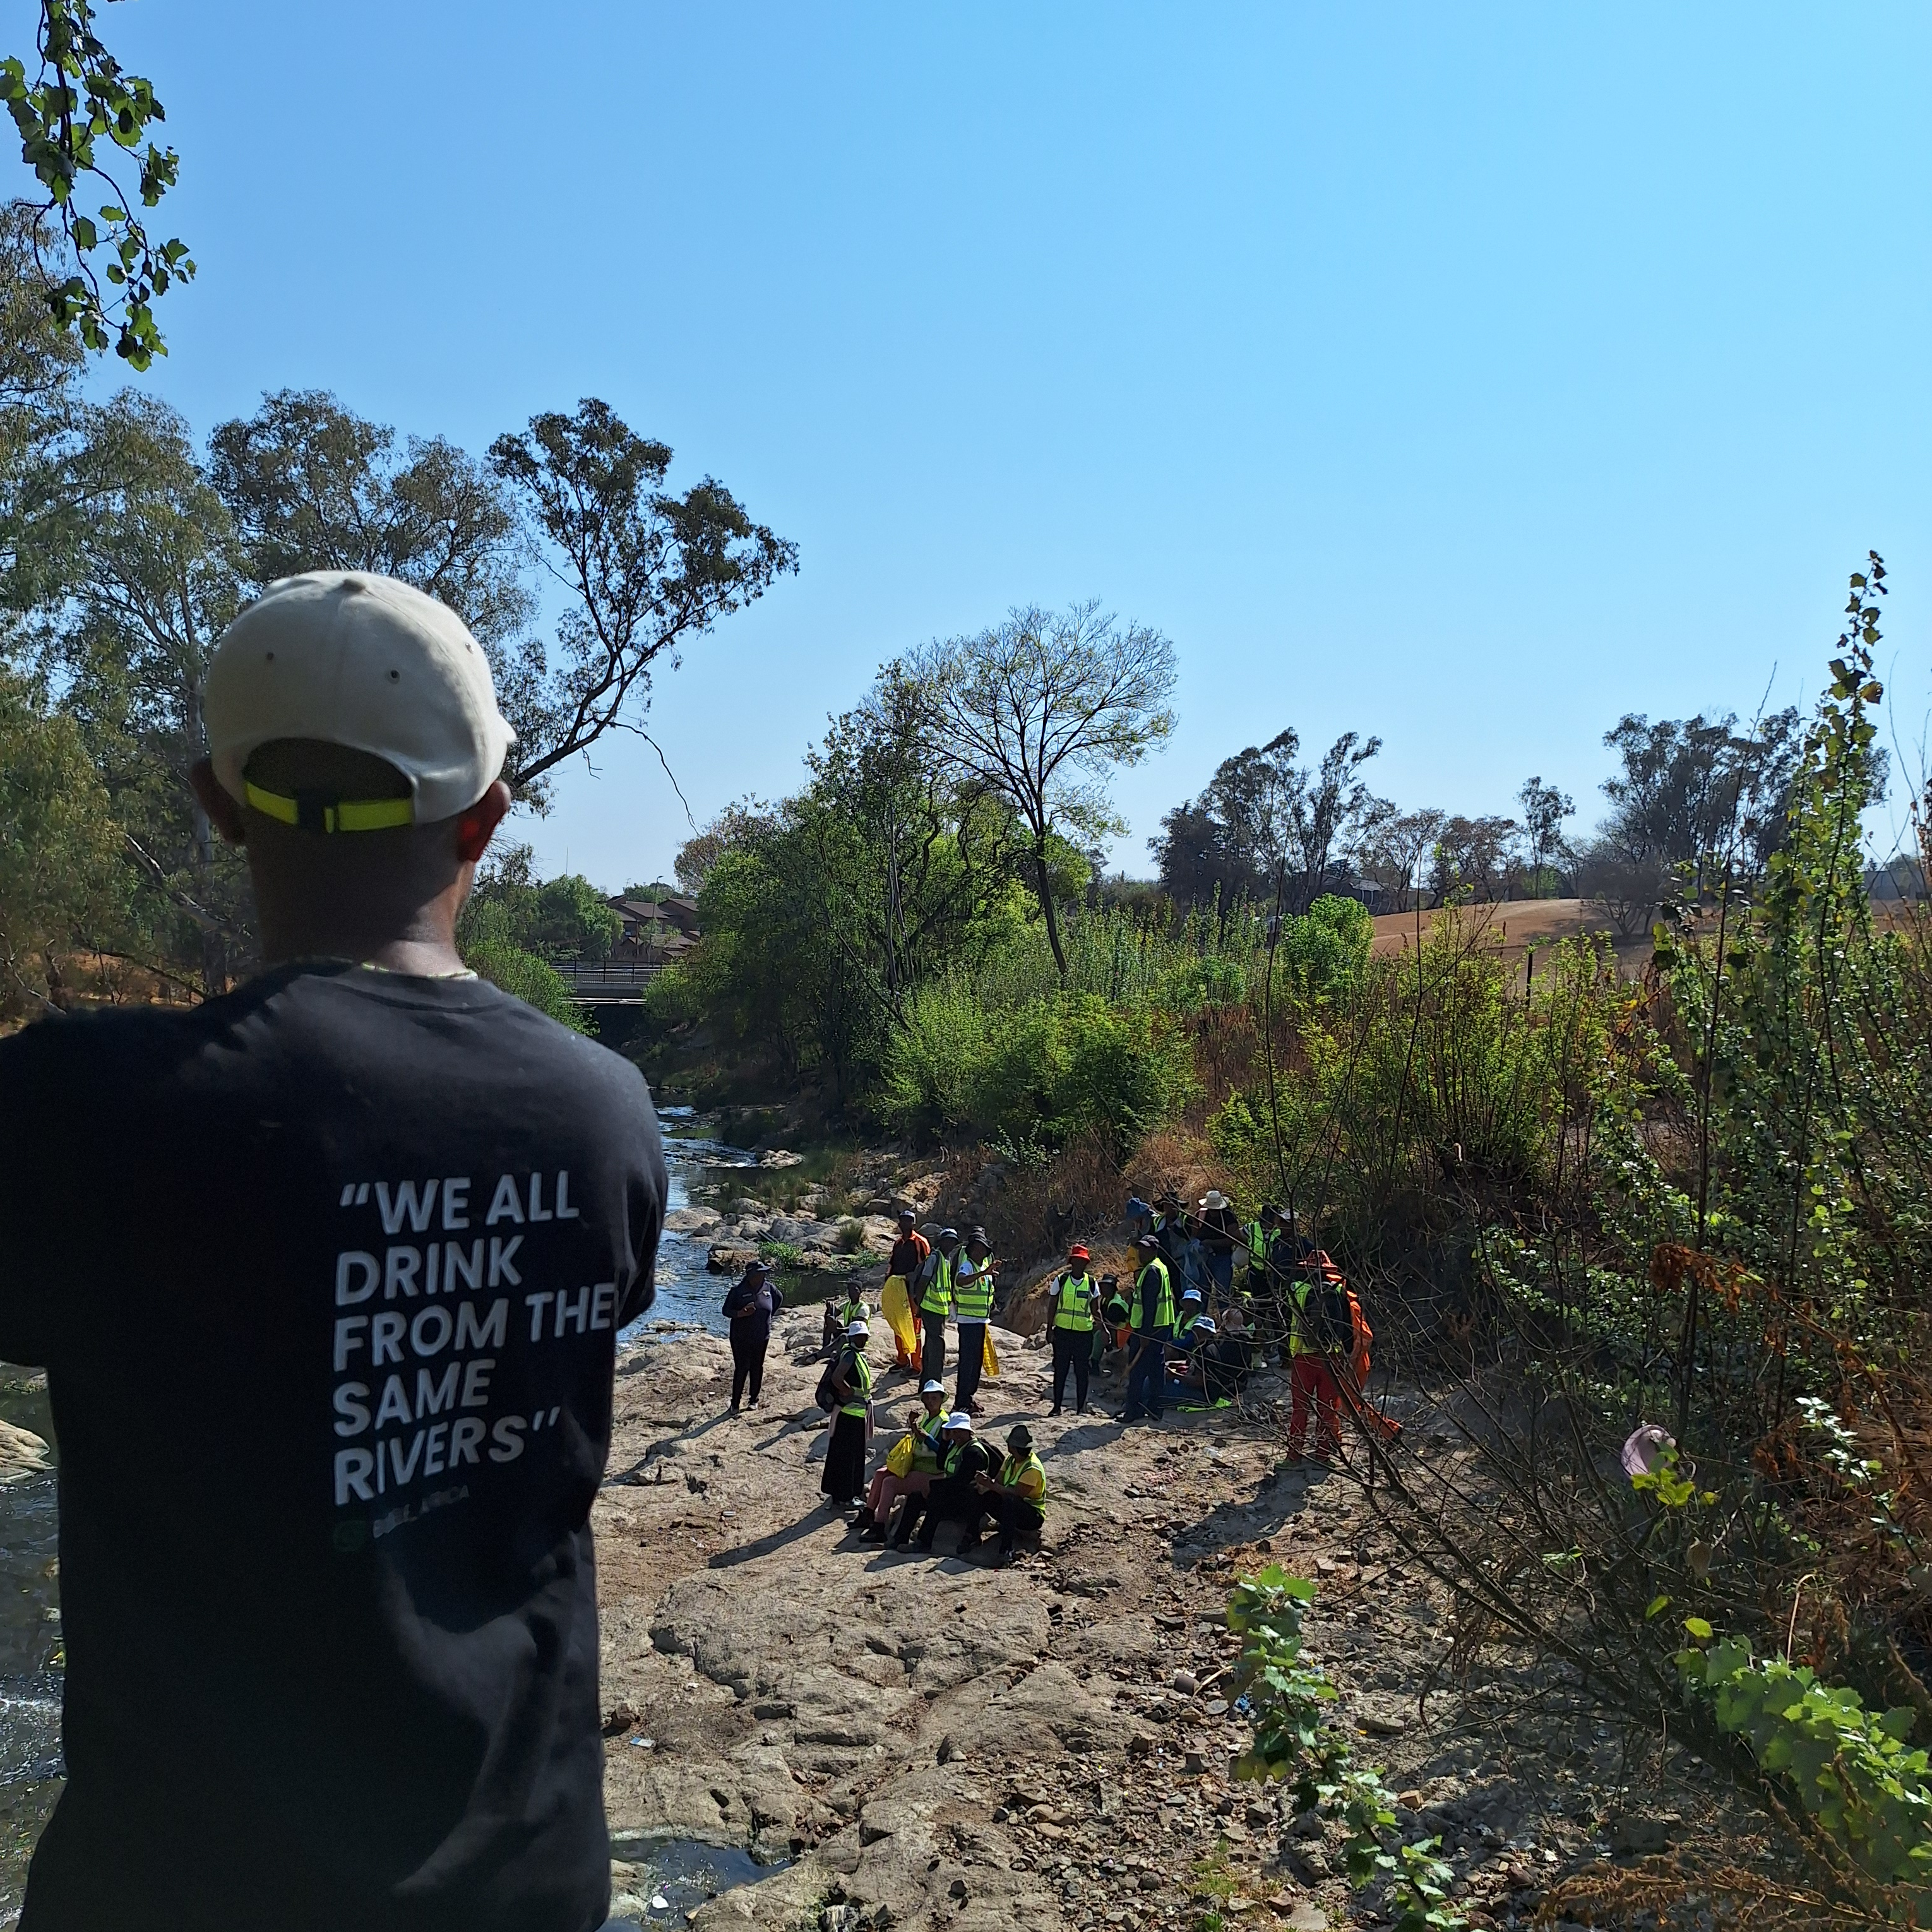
(1327, 1335)
(1182, 1331)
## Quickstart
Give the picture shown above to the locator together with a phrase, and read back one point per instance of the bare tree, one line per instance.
(1042, 708)
(1472, 855)
(1391, 846)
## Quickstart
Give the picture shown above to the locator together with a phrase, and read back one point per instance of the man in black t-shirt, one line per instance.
(326, 1276)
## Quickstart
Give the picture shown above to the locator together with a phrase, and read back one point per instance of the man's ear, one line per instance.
(476, 827)
(224, 813)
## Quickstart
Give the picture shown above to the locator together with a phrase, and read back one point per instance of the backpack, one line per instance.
(1327, 1327)
(827, 1395)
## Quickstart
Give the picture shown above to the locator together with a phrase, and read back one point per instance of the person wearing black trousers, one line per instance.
(954, 1496)
(750, 1308)
(1070, 1320)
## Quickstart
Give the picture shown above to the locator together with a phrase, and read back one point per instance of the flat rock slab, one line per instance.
(804, 1692)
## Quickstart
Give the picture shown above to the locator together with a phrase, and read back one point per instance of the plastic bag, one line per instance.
(898, 1462)
(898, 1307)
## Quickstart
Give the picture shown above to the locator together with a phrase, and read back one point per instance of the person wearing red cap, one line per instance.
(1319, 1342)
(1072, 1323)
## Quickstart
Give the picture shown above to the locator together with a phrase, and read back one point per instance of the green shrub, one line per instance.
(1851, 1773)
(530, 978)
(929, 1081)
(1328, 946)
(1044, 1072)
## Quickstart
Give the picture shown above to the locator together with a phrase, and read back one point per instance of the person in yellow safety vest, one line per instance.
(924, 1429)
(1192, 1310)
(1153, 1329)
(1071, 1322)
(974, 1278)
(852, 1424)
(932, 1294)
(854, 1308)
(1318, 1347)
(1258, 1238)
(954, 1496)
(1016, 1500)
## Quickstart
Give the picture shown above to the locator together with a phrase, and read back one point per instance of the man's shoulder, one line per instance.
(61, 1046)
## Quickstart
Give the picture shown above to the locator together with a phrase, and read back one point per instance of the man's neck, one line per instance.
(421, 958)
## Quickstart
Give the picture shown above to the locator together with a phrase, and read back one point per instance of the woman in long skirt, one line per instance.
(844, 1475)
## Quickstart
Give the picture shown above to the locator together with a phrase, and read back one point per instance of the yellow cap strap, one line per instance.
(311, 815)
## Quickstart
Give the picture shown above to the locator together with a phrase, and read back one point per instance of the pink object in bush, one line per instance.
(1644, 1450)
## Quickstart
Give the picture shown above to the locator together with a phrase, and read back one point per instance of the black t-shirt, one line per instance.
(326, 1276)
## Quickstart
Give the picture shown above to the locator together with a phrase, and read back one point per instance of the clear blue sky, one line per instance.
(1469, 375)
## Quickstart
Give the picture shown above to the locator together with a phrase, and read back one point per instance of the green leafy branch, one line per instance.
(79, 100)
(1853, 1776)
(1287, 1699)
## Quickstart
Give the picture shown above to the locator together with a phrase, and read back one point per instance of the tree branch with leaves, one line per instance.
(80, 107)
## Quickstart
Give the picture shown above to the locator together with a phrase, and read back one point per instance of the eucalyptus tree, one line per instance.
(646, 570)
(158, 578)
(1042, 710)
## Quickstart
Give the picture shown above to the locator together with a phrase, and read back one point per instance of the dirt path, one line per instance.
(980, 1748)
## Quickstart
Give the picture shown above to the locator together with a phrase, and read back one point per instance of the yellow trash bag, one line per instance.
(989, 1356)
(899, 1461)
(899, 1318)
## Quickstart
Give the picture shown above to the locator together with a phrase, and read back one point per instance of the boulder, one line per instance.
(22, 1454)
(801, 1232)
(692, 1220)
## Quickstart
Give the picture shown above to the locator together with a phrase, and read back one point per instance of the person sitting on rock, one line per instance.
(1225, 1362)
(854, 1308)
(953, 1496)
(1016, 1499)
(1184, 1353)
(924, 1426)
(1192, 1307)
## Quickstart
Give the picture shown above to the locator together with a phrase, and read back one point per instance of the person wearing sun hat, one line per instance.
(954, 1496)
(1016, 1498)
(851, 1379)
(1219, 1234)
(327, 1570)
(924, 1426)
(1070, 1318)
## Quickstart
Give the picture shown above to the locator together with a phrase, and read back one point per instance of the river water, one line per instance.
(31, 1656)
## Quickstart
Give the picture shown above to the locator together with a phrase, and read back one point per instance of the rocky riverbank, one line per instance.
(939, 1743)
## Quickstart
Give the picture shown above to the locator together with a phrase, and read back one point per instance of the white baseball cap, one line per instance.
(368, 662)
